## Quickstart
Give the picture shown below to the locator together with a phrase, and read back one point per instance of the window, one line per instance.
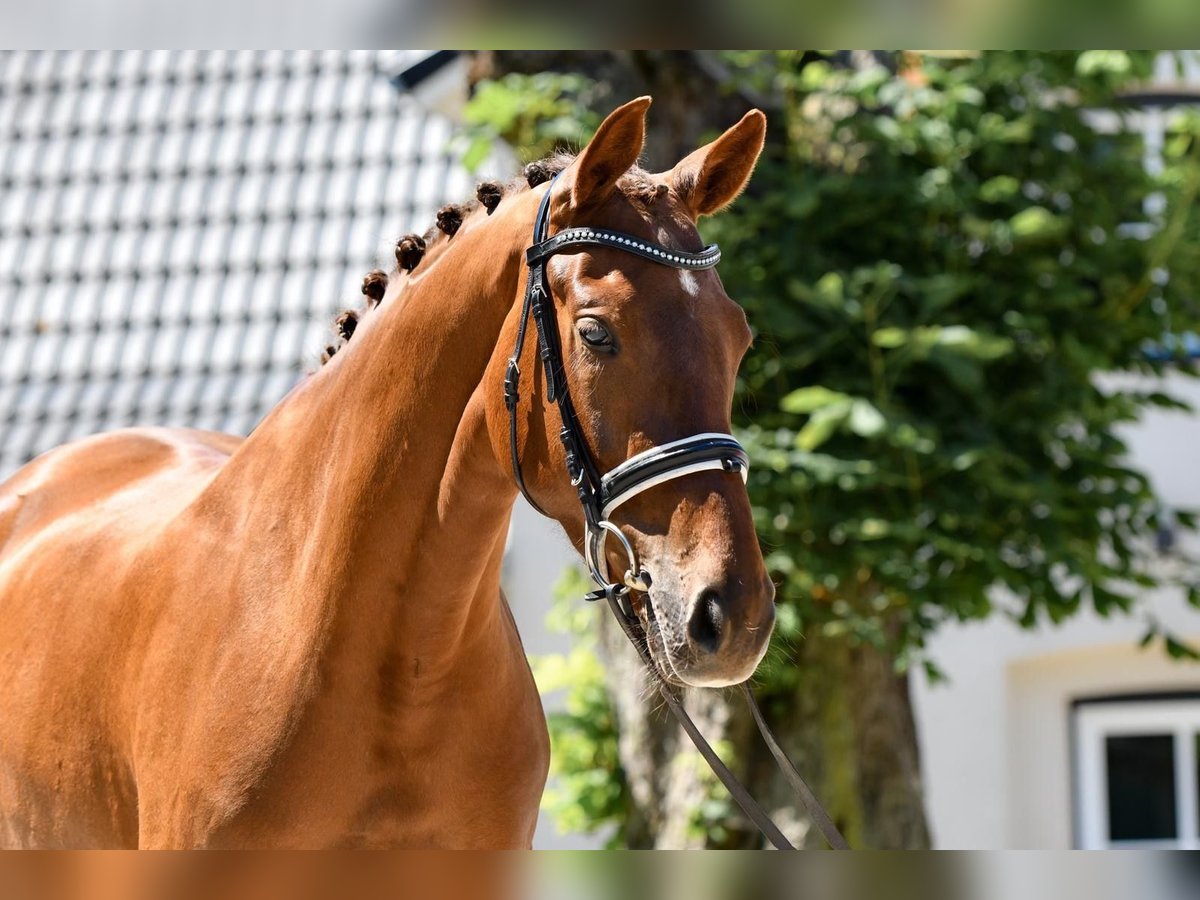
(1136, 777)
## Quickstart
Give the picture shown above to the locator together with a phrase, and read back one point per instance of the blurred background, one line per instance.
(974, 282)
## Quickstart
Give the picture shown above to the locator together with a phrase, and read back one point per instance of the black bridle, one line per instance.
(601, 494)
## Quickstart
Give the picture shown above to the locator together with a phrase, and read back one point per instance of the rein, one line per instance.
(601, 494)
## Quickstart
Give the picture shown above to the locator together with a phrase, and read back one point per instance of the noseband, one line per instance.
(601, 494)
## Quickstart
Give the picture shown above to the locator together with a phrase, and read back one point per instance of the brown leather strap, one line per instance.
(799, 785)
(736, 789)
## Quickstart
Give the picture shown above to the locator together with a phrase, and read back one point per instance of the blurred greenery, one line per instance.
(943, 260)
(534, 114)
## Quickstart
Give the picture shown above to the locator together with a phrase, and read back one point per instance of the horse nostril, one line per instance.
(707, 625)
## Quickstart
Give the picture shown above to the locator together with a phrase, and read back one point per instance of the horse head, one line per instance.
(649, 345)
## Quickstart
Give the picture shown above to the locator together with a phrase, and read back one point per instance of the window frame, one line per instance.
(1095, 719)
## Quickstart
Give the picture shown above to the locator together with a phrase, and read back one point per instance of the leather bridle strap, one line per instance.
(571, 237)
(698, 453)
(736, 789)
(815, 810)
(600, 495)
(650, 468)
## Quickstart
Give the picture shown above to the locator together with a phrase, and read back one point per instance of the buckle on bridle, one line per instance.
(617, 597)
(512, 380)
(609, 591)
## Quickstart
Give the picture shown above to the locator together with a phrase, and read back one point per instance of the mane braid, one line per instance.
(489, 194)
(410, 249)
(414, 249)
(450, 218)
(538, 172)
(374, 286)
(346, 323)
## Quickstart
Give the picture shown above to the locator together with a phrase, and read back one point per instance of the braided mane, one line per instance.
(414, 249)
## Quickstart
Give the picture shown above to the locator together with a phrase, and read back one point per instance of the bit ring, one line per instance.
(594, 556)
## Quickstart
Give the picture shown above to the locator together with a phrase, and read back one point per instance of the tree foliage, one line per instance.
(940, 262)
(945, 259)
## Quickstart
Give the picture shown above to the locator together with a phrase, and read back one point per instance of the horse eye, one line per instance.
(595, 334)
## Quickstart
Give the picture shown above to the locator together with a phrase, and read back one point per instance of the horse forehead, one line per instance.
(646, 290)
(635, 288)
(626, 275)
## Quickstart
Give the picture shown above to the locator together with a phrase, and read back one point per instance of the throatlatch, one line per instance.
(601, 494)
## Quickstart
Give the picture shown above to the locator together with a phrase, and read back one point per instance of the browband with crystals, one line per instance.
(680, 259)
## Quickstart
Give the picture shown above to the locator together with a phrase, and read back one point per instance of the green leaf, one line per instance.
(935, 675)
(814, 76)
(1036, 223)
(822, 425)
(999, 188)
(968, 342)
(963, 461)
(1192, 594)
(873, 529)
(831, 288)
(1092, 62)
(964, 373)
(807, 399)
(1106, 601)
(889, 338)
(865, 420)
(957, 339)
(1178, 649)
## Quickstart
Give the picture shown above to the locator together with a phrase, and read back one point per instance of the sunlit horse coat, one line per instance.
(298, 639)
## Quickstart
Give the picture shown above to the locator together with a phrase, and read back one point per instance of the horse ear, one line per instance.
(709, 179)
(610, 153)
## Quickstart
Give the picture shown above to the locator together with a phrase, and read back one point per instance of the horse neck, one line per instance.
(373, 488)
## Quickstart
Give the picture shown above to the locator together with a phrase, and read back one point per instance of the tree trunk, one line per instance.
(848, 724)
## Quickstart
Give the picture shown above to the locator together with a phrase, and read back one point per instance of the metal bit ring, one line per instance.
(596, 541)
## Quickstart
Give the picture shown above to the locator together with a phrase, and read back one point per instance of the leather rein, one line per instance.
(601, 494)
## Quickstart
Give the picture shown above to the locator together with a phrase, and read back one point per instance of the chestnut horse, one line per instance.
(298, 639)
